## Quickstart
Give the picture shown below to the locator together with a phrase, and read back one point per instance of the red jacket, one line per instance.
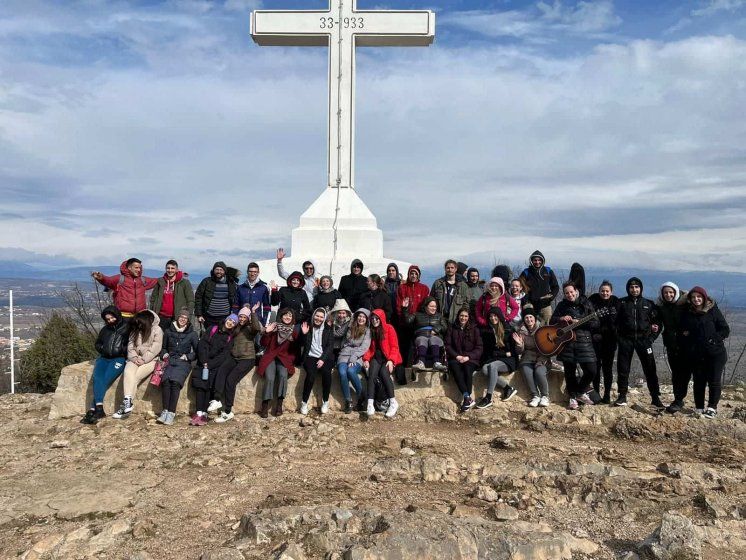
(129, 295)
(389, 342)
(416, 293)
(507, 305)
(284, 352)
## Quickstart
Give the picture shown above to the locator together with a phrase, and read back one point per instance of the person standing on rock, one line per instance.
(516, 290)
(128, 287)
(450, 292)
(327, 295)
(111, 345)
(252, 291)
(380, 360)
(213, 350)
(671, 306)
(350, 358)
(499, 356)
(476, 289)
(310, 281)
(318, 357)
(216, 296)
(605, 338)
(277, 363)
(542, 286)
(638, 326)
(238, 364)
(180, 350)
(495, 296)
(172, 292)
(532, 364)
(376, 297)
(578, 352)
(292, 296)
(409, 298)
(143, 347)
(391, 285)
(702, 332)
(354, 284)
(464, 350)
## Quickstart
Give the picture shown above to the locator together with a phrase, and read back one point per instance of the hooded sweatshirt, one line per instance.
(129, 292)
(352, 286)
(170, 295)
(310, 281)
(542, 283)
(636, 315)
(416, 292)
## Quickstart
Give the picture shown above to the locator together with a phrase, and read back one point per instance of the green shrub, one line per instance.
(60, 344)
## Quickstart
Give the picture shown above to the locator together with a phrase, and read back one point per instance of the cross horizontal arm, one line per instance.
(395, 29)
(289, 28)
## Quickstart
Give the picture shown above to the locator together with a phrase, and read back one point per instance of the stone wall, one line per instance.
(75, 392)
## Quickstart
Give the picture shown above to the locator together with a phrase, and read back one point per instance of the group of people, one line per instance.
(460, 326)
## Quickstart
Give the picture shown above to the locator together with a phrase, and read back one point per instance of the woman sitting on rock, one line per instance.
(144, 345)
(429, 330)
(350, 359)
(213, 350)
(238, 364)
(318, 357)
(532, 364)
(340, 317)
(380, 360)
(499, 357)
(463, 350)
(277, 362)
(111, 345)
(180, 349)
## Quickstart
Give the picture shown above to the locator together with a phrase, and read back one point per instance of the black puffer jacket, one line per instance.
(352, 286)
(422, 320)
(636, 316)
(326, 299)
(376, 299)
(206, 290)
(579, 351)
(112, 339)
(177, 344)
(670, 314)
(607, 323)
(294, 298)
(703, 331)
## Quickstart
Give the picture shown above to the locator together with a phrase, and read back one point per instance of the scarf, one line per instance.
(284, 332)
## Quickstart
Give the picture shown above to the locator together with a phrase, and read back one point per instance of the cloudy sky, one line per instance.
(610, 132)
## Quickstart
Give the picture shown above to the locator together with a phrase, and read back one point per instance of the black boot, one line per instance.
(348, 407)
(100, 412)
(264, 412)
(90, 417)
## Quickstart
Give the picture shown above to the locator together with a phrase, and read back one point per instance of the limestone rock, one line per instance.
(675, 539)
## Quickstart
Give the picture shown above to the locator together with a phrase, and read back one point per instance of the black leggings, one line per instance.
(202, 399)
(463, 374)
(681, 373)
(229, 375)
(574, 386)
(708, 371)
(377, 369)
(170, 391)
(605, 350)
(309, 364)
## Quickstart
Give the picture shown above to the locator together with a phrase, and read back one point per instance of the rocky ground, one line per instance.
(508, 482)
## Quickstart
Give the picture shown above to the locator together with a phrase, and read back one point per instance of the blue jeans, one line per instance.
(349, 374)
(105, 372)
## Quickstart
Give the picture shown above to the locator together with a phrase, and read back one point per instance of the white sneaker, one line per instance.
(393, 407)
(371, 410)
(304, 408)
(419, 365)
(324, 407)
(162, 418)
(544, 401)
(214, 405)
(224, 417)
(534, 402)
(437, 366)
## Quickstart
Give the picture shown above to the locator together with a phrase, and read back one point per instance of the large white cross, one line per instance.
(342, 27)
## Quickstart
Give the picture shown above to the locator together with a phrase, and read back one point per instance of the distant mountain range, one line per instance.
(727, 286)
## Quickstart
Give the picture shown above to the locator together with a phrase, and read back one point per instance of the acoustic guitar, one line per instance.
(551, 339)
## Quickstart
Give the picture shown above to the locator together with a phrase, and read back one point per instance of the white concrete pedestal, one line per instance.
(357, 235)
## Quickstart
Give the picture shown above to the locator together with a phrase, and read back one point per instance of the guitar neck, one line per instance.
(582, 321)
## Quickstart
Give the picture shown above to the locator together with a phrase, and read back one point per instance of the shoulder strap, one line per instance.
(213, 330)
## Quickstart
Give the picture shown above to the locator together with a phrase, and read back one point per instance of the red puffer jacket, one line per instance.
(129, 294)
(416, 293)
(389, 342)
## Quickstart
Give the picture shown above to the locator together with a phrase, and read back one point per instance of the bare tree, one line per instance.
(85, 307)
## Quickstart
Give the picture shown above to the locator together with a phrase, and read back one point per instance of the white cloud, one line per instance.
(716, 6)
(632, 152)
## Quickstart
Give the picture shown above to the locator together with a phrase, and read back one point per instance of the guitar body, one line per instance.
(551, 339)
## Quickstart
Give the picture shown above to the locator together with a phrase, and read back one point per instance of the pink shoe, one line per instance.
(201, 420)
(194, 421)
